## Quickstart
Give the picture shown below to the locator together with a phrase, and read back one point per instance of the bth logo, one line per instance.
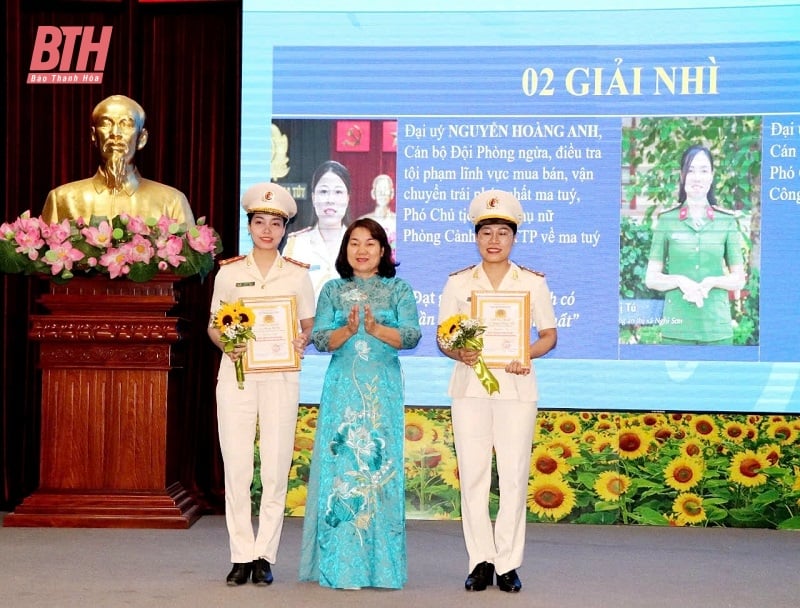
(61, 55)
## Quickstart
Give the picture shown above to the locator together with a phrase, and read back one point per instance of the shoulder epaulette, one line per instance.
(301, 231)
(722, 210)
(668, 209)
(298, 262)
(462, 270)
(536, 272)
(234, 259)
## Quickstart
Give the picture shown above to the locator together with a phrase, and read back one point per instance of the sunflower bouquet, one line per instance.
(459, 331)
(235, 323)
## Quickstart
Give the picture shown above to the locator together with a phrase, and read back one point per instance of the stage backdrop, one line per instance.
(583, 110)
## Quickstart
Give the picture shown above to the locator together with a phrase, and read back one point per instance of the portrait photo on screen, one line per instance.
(690, 231)
(338, 171)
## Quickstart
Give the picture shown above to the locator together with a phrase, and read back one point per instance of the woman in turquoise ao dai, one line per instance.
(354, 529)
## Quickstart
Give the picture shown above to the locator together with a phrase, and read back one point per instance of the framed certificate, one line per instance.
(506, 316)
(275, 327)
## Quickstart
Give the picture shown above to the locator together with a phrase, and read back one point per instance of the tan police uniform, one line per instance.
(268, 398)
(502, 422)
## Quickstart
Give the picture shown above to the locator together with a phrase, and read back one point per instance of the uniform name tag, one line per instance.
(250, 284)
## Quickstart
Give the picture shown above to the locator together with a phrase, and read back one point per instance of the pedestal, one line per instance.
(109, 421)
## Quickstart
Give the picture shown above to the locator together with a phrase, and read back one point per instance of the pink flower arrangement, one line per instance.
(125, 246)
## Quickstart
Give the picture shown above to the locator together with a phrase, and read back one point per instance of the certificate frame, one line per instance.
(506, 315)
(275, 327)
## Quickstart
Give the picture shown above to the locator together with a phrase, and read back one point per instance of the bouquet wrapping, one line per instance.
(235, 322)
(459, 331)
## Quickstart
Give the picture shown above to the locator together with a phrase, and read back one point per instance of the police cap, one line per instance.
(269, 198)
(495, 204)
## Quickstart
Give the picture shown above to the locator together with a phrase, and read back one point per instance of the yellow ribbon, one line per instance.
(485, 375)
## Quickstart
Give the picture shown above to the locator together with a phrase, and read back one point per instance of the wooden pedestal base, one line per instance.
(175, 509)
(110, 422)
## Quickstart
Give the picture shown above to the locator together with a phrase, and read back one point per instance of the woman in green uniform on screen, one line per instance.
(696, 258)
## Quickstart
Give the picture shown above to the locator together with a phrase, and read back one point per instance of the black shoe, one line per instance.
(509, 582)
(480, 577)
(262, 573)
(239, 574)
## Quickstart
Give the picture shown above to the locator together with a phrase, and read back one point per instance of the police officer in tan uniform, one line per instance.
(269, 400)
(502, 422)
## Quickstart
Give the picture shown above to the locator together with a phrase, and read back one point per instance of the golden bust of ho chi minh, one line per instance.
(117, 132)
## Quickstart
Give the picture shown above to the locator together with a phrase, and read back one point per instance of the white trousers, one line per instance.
(271, 402)
(480, 426)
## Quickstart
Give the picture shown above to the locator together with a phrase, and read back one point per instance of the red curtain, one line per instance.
(182, 62)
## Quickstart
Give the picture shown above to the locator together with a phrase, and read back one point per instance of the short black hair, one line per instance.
(251, 215)
(491, 221)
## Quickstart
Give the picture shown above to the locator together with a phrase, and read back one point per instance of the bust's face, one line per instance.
(116, 130)
(382, 191)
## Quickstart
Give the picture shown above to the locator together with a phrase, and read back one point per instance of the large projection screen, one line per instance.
(578, 111)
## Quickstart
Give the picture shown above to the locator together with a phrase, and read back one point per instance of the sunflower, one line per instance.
(692, 448)
(590, 437)
(772, 452)
(603, 443)
(652, 419)
(548, 461)
(245, 315)
(303, 443)
(662, 433)
(449, 330)
(307, 422)
(544, 423)
(551, 497)
(566, 447)
(568, 425)
(673, 521)
(226, 316)
(704, 427)
(448, 471)
(689, 509)
(611, 485)
(683, 473)
(428, 456)
(633, 442)
(734, 431)
(605, 425)
(296, 501)
(449, 326)
(781, 431)
(418, 430)
(746, 469)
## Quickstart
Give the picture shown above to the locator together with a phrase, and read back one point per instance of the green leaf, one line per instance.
(140, 272)
(11, 261)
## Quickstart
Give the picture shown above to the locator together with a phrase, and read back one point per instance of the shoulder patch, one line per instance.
(301, 231)
(462, 270)
(536, 272)
(297, 262)
(229, 260)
